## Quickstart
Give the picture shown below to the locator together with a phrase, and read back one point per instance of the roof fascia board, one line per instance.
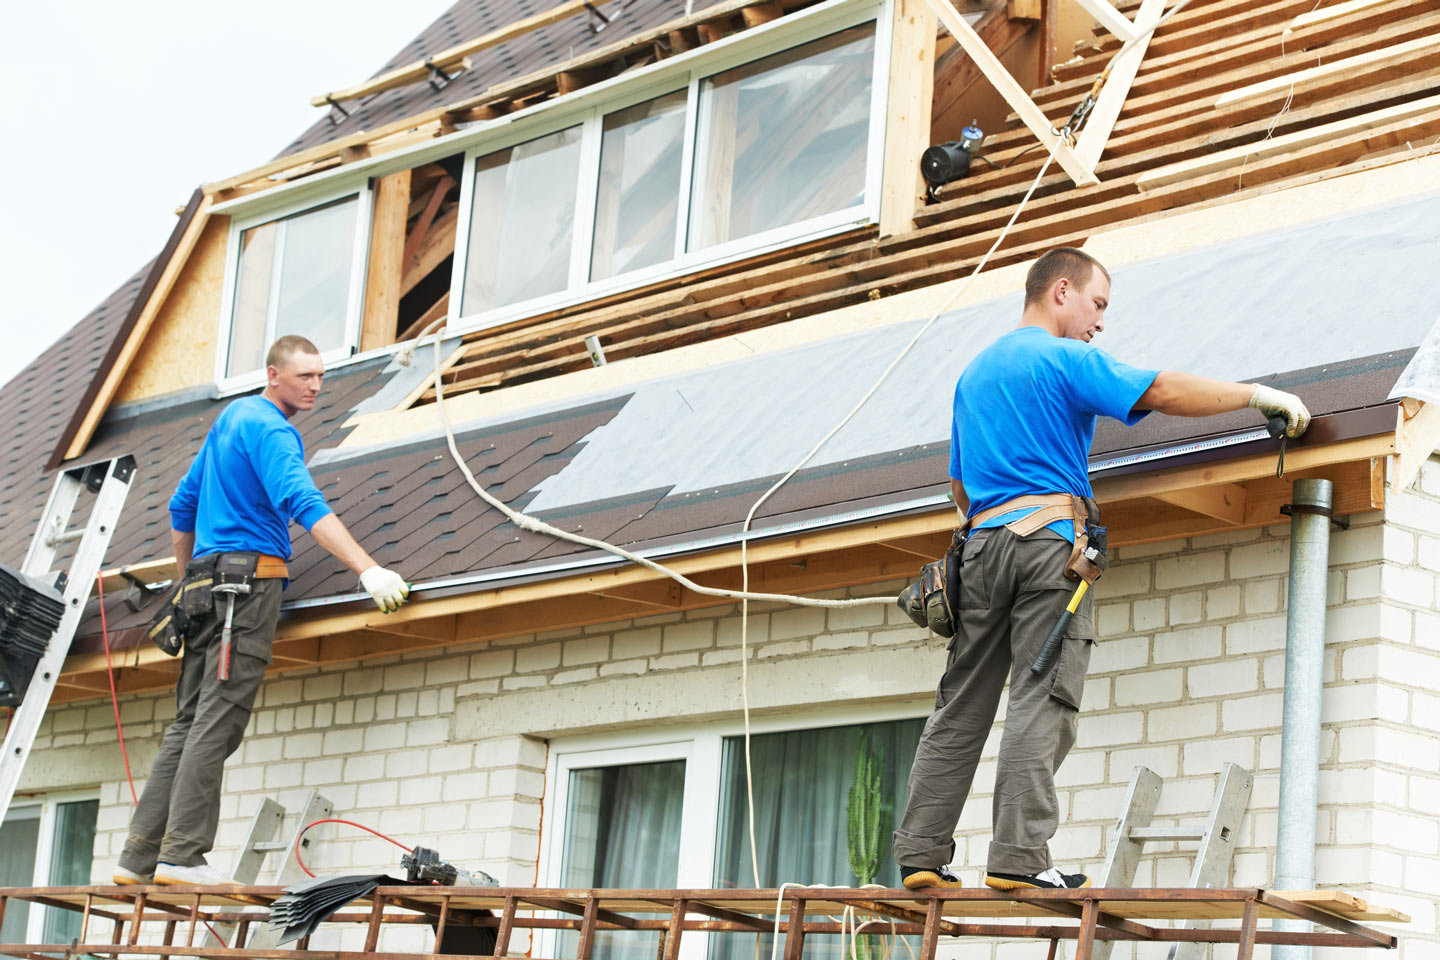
(737, 48)
(143, 310)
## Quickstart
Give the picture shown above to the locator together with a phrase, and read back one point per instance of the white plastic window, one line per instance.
(49, 843)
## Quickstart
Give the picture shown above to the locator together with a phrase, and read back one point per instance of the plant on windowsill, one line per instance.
(866, 813)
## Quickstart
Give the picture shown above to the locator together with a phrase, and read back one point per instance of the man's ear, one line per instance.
(272, 375)
(1061, 288)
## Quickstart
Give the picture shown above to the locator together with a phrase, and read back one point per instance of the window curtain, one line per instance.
(802, 784)
(623, 831)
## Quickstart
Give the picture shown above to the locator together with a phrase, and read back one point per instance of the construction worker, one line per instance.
(1025, 411)
(232, 513)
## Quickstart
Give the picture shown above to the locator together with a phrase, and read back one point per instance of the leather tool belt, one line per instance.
(933, 600)
(191, 599)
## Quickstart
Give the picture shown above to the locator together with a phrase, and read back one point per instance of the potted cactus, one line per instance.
(867, 813)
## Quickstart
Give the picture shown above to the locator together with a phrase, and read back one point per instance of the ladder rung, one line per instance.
(270, 846)
(1167, 833)
(65, 537)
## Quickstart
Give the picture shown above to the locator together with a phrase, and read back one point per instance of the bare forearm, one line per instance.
(184, 546)
(331, 534)
(1187, 395)
(957, 493)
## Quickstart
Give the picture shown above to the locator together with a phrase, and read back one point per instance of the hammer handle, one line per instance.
(1057, 634)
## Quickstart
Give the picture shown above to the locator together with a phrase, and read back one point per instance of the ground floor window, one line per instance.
(676, 815)
(46, 843)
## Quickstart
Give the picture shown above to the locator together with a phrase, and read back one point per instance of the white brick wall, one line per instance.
(1188, 674)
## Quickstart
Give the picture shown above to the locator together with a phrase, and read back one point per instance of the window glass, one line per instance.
(294, 277)
(19, 836)
(635, 210)
(783, 139)
(622, 830)
(803, 782)
(70, 859)
(522, 222)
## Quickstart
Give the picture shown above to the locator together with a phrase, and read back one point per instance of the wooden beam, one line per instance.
(438, 244)
(116, 374)
(387, 248)
(1332, 12)
(1418, 435)
(426, 216)
(1110, 18)
(1284, 85)
(437, 310)
(660, 593)
(452, 58)
(1274, 146)
(1024, 9)
(1014, 95)
(1097, 129)
(956, 71)
(907, 117)
(1222, 501)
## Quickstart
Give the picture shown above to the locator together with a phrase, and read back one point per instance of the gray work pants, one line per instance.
(180, 806)
(1012, 591)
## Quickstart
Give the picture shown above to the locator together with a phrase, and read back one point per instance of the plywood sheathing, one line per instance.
(1168, 117)
(179, 350)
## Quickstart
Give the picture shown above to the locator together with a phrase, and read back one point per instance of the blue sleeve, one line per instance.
(1106, 387)
(186, 499)
(281, 466)
(955, 436)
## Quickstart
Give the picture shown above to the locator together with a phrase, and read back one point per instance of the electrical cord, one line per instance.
(352, 823)
(114, 699)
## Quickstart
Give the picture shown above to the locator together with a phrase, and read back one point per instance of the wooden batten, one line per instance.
(1417, 437)
(386, 261)
(907, 118)
(1112, 96)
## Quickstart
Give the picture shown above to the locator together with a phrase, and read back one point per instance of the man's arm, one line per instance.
(957, 493)
(1187, 395)
(386, 587)
(184, 544)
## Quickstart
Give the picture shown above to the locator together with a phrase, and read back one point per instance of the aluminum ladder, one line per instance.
(1216, 838)
(109, 480)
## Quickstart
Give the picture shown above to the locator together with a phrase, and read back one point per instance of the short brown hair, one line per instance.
(282, 349)
(1075, 265)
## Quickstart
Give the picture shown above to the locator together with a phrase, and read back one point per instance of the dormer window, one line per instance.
(300, 273)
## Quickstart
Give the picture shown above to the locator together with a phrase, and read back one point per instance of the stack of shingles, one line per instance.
(1212, 47)
(30, 612)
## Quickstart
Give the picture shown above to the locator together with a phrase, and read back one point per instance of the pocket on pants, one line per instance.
(246, 675)
(1074, 661)
(974, 595)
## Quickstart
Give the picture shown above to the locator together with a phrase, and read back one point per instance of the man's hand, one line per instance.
(386, 587)
(1272, 402)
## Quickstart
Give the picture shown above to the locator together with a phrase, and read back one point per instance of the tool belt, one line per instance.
(933, 601)
(191, 599)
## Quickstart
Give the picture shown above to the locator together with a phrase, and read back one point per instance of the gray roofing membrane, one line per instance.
(1318, 294)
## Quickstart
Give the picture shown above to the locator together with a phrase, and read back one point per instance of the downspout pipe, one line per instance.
(1304, 679)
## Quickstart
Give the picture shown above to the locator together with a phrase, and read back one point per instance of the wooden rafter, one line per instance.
(1106, 111)
(1013, 93)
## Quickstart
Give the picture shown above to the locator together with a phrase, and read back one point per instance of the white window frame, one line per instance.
(701, 746)
(355, 295)
(46, 811)
(590, 117)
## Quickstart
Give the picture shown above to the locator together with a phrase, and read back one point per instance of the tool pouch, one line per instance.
(237, 567)
(1089, 557)
(184, 608)
(933, 600)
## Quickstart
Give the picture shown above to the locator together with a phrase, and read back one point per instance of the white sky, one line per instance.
(113, 112)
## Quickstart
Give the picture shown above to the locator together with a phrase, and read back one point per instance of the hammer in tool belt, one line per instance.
(222, 673)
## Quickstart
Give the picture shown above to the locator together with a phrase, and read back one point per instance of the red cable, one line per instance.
(338, 820)
(114, 700)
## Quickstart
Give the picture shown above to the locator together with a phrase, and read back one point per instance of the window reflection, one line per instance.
(635, 212)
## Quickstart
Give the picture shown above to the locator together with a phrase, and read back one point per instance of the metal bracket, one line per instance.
(605, 21)
(438, 79)
(138, 593)
(335, 105)
(1340, 523)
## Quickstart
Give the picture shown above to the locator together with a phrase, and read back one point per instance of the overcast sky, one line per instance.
(114, 112)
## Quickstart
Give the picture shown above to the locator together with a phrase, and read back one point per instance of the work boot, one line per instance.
(124, 877)
(1051, 879)
(201, 875)
(920, 878)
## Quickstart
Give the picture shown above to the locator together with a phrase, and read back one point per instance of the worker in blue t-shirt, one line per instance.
(230, 520)
(1025, 412)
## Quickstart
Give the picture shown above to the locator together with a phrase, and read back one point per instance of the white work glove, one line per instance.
(386, 587)
(1272, 403)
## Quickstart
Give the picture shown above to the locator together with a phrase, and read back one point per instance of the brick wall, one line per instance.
(1188, 674)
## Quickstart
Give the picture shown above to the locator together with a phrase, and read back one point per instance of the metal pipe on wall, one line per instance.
(1304, 679)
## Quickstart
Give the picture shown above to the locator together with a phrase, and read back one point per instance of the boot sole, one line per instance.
(120, 880)
(928, 879)
(165, 881)
(997, 883)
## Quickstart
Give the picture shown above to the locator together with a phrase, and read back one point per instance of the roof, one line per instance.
(680, 459)
(646, 465)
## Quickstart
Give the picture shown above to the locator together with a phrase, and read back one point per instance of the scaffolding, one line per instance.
(151, 921)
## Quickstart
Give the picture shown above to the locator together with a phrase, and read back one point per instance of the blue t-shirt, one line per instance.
(247, 482)
(1025, 412)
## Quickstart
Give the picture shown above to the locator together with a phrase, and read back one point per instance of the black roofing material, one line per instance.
(30, 613)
